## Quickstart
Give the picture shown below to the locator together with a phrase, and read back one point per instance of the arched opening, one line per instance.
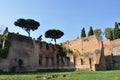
(47, 59)
(90, 62)
(40, 59)
(82, 62)
(53, 61)
(20, 62)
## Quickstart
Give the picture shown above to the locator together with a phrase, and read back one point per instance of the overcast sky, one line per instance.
(70, 16)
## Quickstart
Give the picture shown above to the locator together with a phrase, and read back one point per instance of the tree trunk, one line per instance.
(28, 33)
(55, 41)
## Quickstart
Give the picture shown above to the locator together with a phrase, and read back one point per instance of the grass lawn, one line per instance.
(75, 75)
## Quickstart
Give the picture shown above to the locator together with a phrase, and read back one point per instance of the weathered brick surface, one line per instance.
(87, 49)
(88, 53)
(115, 50)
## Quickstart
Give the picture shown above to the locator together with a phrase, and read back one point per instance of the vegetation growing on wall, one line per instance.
(85, 39)
(97, 51)
(86, 54)
(69, 51)
(4, 51)
(61, 51)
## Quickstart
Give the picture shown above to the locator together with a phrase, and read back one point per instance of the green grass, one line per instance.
(76, 75)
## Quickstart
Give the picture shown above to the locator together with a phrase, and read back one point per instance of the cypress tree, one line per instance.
(111, 35)
(83, 34)
(90, 31)
(116, 31)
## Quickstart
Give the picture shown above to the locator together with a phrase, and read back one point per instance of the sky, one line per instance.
(69, 16)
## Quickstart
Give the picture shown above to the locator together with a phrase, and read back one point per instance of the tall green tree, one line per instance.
(111, 35)
(90, 33)
(54, 34)
(108, 33)
(83, 34)
(27, 24)
(116, 31)
(98, 33)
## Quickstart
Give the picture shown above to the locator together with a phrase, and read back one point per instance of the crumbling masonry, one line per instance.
(25, 54)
